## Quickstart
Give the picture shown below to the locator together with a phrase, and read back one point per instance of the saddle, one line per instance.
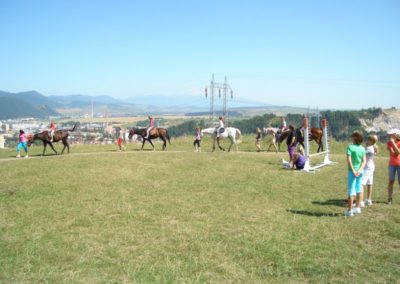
(153, 132)
(222, 130)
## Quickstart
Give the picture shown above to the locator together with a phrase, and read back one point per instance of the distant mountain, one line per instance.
(32, 97)
(72, 105)
(79, 99)
(25, 104)
(11, 107)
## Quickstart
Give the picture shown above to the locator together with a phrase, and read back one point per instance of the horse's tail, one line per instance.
(238, 135)
(73, 128)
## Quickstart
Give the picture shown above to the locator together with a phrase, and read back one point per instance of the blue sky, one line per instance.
(334, 54)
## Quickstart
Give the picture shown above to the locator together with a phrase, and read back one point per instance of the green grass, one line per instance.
(99, 215)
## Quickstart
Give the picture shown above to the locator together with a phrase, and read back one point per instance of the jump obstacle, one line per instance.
(308, 156)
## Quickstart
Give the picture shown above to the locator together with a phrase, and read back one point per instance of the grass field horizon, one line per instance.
(99, 215)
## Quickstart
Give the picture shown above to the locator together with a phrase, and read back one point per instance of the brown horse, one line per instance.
(59, 135)
(158, 132)
(314, 134)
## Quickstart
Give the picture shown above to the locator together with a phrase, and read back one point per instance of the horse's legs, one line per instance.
(213, 149)
(236, 145)
(144, 141)
(151, 143)
(320, 146)
(66, 145)
(276, 148)
(232, 142)
(274, 144)
(165, 142)
(51, 145)
(44, 147)
(220, 145)
(63, 148)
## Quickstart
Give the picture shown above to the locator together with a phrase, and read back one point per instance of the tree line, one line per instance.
(340, 123)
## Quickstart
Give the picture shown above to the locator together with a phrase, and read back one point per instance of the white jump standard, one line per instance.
(308, 156)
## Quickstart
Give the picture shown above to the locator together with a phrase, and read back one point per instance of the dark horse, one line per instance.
(59, 135)
(158, 132)
(314, 134)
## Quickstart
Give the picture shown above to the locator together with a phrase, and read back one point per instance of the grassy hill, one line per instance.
(98, 215)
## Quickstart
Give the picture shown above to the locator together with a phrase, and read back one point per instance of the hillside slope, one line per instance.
(390, 118)
(11, 107)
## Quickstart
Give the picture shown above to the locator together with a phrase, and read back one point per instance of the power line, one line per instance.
(226, 90)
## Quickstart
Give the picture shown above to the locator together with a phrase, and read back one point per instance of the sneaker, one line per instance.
(18, 156)
(26, 156)
(356, 210)
(362, 204)
(390, 201)
(368, 202)
(348, 213)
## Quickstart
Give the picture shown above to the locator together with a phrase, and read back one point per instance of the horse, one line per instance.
(59, 135)
(273, 132)
(315, 134)
(158, 132)
(230, 132)
(278, 136)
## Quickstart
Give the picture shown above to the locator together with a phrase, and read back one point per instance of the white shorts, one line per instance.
(368, 177)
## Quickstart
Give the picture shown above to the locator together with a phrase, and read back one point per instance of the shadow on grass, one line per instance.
(313, 214)
(337, 202)
(45, 155)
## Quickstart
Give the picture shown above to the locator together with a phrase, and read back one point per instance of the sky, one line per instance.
(330, 54)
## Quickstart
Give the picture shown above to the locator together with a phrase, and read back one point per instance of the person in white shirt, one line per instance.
(221, 126)
(368, 176)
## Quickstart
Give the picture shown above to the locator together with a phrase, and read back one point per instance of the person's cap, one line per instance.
(393, 131)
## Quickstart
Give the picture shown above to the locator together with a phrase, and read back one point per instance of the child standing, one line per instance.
(197, 140)
(22, 143)
(356, 162)
(120, 140)
(258, 139)
(368, 175)
(393, 145)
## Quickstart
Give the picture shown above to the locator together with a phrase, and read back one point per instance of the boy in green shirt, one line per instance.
(356, 162)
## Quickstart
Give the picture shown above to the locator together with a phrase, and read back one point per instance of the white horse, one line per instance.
(232, 133)
(273, 132)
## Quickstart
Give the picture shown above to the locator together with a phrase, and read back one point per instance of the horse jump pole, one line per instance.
(327, 161)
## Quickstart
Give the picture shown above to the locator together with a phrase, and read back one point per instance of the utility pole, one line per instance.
(225, 90)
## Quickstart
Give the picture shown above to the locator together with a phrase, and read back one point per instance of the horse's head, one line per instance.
(131, 133)
(30, 138)
(207, 131)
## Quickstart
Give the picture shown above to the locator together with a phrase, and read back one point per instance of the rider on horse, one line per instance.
(52, 130)
(151, 123)
(221, 126)
(283, 127)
